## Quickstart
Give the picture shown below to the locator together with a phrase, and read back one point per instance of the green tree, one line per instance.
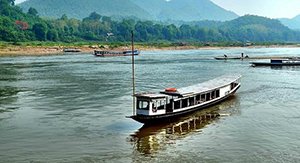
(186, 31)
(93, 16)
(106, 19)
(122, 31)
(141, 30)
(32, 11)
(52, 35)
(170, 32)
(64, 17)
(40, 31)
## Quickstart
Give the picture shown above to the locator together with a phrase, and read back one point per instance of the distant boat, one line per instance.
(172, 103)
(104, 53)
(231, 58)
(278, 62)
(72, 50)
(227, 58)
(253, 57)
(129, 52)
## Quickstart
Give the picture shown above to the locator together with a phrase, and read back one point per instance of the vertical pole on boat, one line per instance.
(133, 82)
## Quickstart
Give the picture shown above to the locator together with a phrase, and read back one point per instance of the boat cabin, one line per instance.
(173, 100)
(151, 104)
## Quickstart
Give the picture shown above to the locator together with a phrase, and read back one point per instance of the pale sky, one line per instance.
(19, 1)
(267, 8)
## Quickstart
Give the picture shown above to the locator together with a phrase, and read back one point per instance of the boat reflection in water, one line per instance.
(149, 140)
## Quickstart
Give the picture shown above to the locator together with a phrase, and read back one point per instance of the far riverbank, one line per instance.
(40, 50)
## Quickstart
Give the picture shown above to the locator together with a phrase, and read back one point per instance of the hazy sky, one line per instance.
(18, 1)
(268, 8)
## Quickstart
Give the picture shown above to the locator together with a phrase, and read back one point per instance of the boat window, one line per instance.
(191, 101)
(217, 93)
(143, 105)
(177, 104)
(213, 94)
(161, 104)
(202, 98)
(184, 103)
(198, 97)
(207, 97)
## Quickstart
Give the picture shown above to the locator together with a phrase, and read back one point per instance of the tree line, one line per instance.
(17, 26)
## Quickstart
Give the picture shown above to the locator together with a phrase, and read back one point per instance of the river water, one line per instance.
(72, 108)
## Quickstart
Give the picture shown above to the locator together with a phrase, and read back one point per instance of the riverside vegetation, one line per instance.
(28, 28)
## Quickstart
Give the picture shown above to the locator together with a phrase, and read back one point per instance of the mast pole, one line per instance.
(133, 80)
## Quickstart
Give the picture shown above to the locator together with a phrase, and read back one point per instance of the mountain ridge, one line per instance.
(79, 10)
(293, 23)
(157, 10)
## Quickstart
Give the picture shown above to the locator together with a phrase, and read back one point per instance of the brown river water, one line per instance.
(72, 108)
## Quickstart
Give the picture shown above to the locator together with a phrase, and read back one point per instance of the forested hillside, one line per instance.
(257, 29)
(16, 26)
(82, 8)
(157, 10)
(185, 10)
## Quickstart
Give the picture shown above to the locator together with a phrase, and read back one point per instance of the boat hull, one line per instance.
(274, 64)
(175, 115)
(115, 53)
(229, 58)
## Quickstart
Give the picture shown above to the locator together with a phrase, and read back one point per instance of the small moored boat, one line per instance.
(278, 62)
(72, 50)
(103, 53)
(225, 57)
(172, 102)
(129, 52)
(228, 58)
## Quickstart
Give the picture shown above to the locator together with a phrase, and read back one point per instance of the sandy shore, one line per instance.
(35, 51)
(59, 50)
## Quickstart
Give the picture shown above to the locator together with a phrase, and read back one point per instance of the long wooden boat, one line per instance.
(228, 58)
(103, 53)
(278, 62)
(232, 58)
(172, 103)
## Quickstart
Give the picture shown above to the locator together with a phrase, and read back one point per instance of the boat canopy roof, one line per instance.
(205, 86)
(150, 95)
